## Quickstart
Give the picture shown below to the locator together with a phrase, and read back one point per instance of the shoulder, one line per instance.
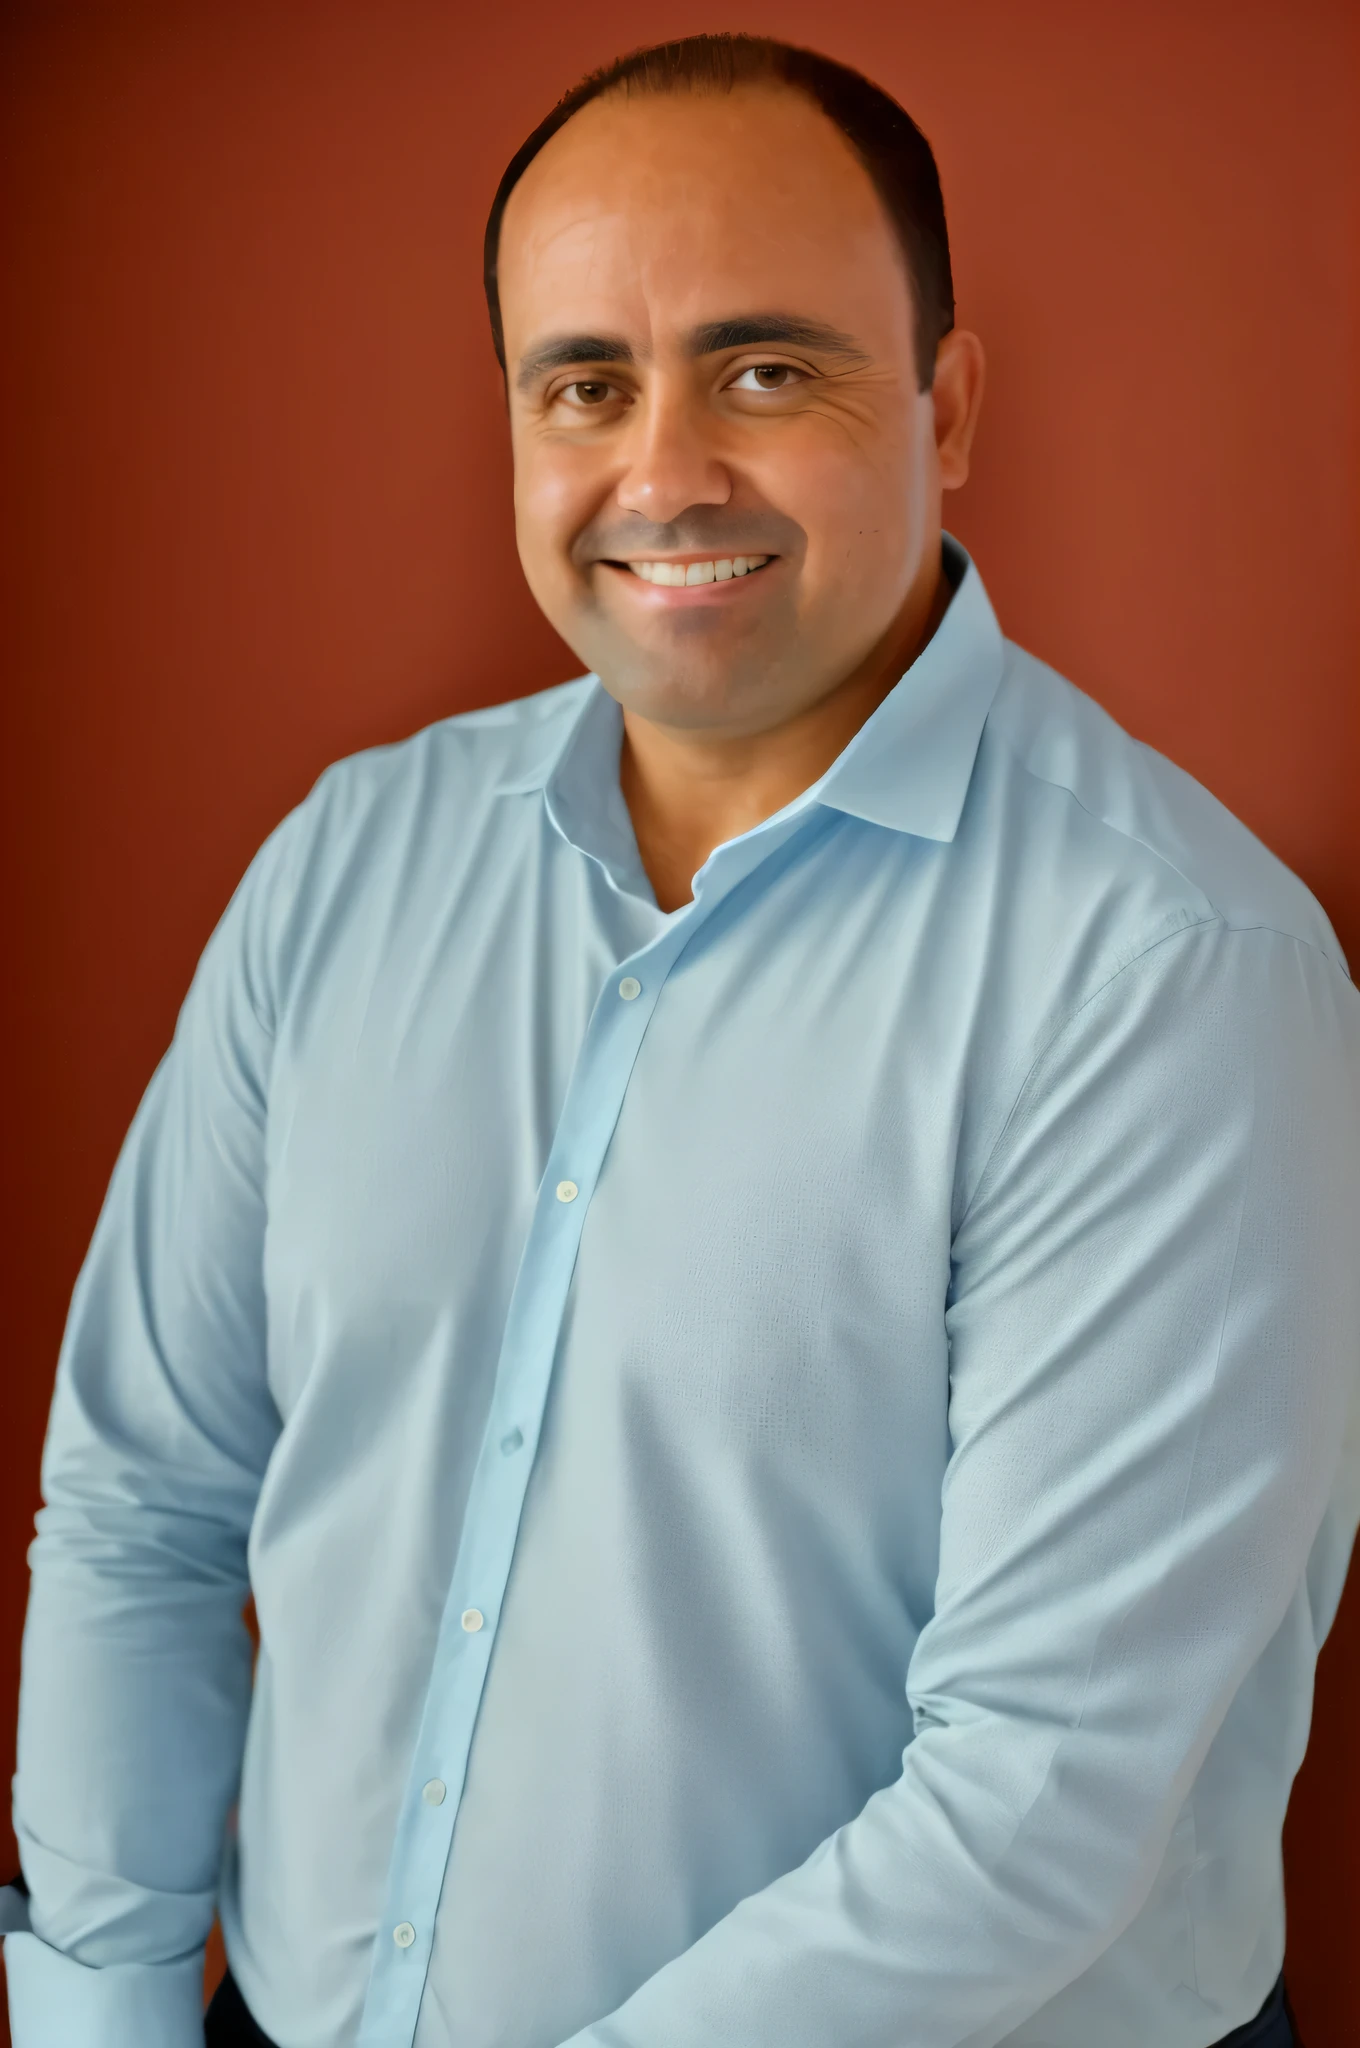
(464, 760)
(393, 825)
(1132, 824)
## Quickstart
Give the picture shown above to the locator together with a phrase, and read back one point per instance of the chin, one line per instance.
(687, 677)
(708, 695)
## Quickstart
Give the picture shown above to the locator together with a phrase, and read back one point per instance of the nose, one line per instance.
(670, 460)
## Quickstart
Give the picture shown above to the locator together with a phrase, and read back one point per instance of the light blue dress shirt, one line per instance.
(793, 1457)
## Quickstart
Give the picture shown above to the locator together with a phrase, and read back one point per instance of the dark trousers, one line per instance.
(230, 2025)
(228, 2022)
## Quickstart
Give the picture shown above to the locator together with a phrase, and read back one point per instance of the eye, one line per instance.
(767, 377)
(586, 392)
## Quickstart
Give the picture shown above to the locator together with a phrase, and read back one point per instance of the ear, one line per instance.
(960, 373)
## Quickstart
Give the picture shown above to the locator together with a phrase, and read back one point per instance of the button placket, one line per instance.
(590, 1110)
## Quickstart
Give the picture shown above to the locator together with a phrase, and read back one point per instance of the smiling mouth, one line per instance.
(685, 575)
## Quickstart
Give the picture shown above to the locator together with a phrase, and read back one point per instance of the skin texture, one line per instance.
(638, 435)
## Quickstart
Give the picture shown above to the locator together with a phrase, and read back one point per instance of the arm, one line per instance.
(136, 1660)
(1154, 1324)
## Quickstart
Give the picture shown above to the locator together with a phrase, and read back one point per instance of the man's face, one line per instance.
(709, 341)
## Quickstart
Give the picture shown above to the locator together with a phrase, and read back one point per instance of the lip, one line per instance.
(666, 595)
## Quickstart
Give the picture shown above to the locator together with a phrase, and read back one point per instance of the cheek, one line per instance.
(858, 501)
(552, 504)
(859, 515)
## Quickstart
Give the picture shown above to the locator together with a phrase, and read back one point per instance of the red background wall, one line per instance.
(257, 496)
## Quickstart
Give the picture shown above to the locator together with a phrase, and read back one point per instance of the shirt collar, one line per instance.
(907, 767)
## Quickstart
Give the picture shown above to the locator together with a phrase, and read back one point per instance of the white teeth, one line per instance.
(680, 575)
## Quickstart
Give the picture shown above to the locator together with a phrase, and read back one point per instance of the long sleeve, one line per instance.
(1154, 1323)
(136, 1670)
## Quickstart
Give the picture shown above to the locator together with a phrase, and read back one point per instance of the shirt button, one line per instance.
(511, 1442)
(628, 988)
(567, 1191)
(433, 1793)
(403, 1934)
(472, 1619)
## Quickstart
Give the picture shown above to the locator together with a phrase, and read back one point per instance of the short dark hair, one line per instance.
(883, 135)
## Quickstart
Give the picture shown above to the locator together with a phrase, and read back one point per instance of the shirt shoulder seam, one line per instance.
(1200, 924)
(1156, 852)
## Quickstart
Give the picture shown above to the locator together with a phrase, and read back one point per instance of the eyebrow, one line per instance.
(788, 328)
(561, 351)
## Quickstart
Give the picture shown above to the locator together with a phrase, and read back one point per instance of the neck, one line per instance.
(688, 792)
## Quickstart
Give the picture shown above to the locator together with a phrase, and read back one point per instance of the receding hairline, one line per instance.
(773, 87)
(764, 85)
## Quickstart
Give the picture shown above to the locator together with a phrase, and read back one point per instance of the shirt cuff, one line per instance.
(55, 2002)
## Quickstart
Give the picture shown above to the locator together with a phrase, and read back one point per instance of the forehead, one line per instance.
(652, 213)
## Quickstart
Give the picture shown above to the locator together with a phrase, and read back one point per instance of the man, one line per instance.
(752, 1256)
